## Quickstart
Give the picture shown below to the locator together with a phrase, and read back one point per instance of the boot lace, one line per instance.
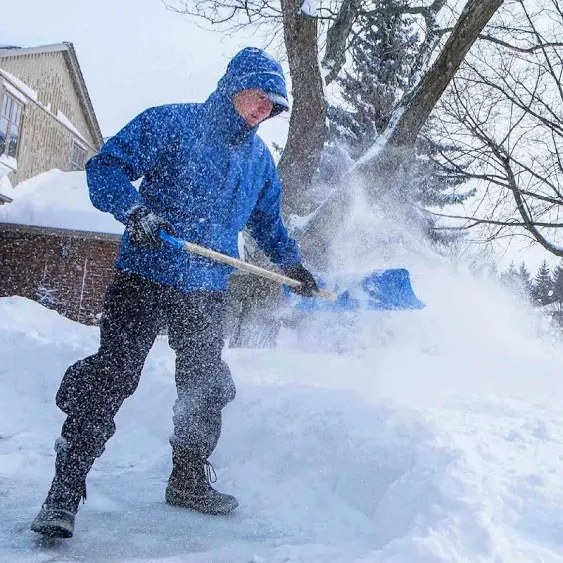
(209, 472)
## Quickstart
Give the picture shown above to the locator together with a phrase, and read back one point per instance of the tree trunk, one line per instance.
(306, 137)
(405, 129)
(254, 301)
(384, 168)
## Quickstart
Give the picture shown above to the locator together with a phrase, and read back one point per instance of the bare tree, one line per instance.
(505, 112)
(385, 166)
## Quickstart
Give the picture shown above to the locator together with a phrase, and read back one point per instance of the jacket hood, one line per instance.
(250, 68)
(254, 68)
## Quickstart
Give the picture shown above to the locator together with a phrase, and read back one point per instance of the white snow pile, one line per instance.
(57, 199)
(433, 436)
(439, 439)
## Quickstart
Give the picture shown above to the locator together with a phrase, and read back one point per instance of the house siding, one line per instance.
(45, 143)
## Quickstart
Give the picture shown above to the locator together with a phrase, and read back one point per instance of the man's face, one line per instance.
(253, 105)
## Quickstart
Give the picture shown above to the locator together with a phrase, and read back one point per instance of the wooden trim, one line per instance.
(18, 51)
(88, 106)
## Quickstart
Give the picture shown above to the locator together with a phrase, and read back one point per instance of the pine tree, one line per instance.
(543, 286)
(382, 59)
(525, 279)
(557, 296)
(558, 284)
(383, 56)
(510, 278)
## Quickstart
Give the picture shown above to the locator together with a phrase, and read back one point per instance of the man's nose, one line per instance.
(266, 107)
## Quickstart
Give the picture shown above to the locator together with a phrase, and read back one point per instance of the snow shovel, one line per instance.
(384, 290)
(240, 264)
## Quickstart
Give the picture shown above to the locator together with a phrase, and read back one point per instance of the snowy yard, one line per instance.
(440, 442)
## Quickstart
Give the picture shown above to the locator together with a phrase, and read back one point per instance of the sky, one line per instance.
(134, 54)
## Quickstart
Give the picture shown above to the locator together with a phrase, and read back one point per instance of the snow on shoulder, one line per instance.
(60, 200)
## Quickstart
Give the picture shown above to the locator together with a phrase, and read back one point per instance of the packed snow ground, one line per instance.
(435, 436)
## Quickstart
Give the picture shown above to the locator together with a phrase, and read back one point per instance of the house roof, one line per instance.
(69, 54)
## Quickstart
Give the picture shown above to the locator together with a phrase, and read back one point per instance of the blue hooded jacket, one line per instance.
(205, 171)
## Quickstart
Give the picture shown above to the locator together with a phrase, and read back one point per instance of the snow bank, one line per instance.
(59, 200)
(433, 436)
(440, 443)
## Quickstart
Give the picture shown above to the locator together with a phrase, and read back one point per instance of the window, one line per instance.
(77, 157)
(10, 125)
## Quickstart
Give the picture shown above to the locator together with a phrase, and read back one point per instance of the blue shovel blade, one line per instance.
(391, 290)
(386, 290)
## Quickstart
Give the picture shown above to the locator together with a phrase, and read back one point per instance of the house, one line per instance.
(55, 247)
(46, 116)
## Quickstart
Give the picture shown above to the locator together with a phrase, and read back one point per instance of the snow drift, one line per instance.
(439, 438)
(405, 437)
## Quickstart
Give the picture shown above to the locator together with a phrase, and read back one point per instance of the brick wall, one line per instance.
(78, 266)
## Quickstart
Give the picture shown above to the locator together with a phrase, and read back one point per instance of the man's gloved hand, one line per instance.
(143, 227)
(299, 273)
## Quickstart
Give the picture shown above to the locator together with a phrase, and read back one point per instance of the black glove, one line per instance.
(143, 227)
(299, 273)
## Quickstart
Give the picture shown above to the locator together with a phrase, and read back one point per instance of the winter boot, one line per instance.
(56, 517)
(189, 486)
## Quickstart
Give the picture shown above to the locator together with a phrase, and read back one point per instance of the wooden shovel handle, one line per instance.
(240, 264)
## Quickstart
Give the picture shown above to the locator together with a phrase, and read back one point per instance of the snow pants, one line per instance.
(135, 309)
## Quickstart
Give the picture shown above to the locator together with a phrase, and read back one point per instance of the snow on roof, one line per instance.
(68, 123)
(21, 85)
(59, 200)
(6, 190)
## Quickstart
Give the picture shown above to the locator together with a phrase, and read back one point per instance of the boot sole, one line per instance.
(53, 529)
(197, 505)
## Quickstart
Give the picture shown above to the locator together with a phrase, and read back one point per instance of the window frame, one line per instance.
(10, 118)
(72, 163)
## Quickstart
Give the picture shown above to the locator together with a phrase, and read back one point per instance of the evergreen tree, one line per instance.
(557, 296)
(543, 286)
(511, 279)
(525, 279)
(383, 55)
(558, 284)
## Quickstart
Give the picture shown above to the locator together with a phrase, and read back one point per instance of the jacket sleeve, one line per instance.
(266, 225)
(126, 157)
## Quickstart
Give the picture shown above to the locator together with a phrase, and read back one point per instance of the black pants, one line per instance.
(135, 308)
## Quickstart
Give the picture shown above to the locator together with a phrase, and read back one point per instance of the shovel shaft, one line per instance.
(240, 264)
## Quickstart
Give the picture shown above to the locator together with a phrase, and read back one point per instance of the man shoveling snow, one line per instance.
(206, 176)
